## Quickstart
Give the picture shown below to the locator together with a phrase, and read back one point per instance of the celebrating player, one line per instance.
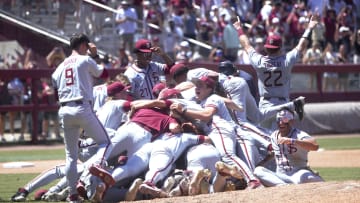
(274, 69)
(291, 147)
(73, 81)
(144, 74)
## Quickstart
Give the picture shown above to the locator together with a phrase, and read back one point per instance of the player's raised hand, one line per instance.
(157, 50)
(314, 20)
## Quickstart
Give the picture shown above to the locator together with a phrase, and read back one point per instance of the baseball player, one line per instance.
(103, 92)
(291, 147)
(223, 129)
(73, 81)
(144, 74)
(163, 157)
(274, 70)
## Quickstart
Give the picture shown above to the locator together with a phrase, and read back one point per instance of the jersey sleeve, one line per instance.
(292, 57)
(94, 69)
(255, 58)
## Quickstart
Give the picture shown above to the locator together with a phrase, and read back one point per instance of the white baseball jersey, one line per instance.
(274, 73)
(100, 95)
(290, 158)
(143, 80)
(111, 113)
(73, 78)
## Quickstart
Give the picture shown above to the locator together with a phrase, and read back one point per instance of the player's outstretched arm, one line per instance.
(244, 40)
(305, 37)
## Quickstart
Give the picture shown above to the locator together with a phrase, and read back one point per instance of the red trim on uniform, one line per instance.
(201, 139)
(127, 106)
(246, 153)
(104, 74)
(157, 172)
(227, 154)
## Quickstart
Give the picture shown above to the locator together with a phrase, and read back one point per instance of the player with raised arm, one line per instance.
(274, 70)
(144, 74)
(73, 80)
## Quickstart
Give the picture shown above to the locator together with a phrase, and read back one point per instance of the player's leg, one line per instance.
(268, 177)
(136, 164)
(305, 176)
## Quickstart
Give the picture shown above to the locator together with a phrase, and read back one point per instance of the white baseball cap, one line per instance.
(344, 29)
(184, 44)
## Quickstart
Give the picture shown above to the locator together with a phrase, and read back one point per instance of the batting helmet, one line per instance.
(227, 68)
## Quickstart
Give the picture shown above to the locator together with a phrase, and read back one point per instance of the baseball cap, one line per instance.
(158, 88)
(168, 92)
(273, 42)
(143, 45)
(184, 44)
(284, 116)
(115, 87)
(178, 69)
(207, 80)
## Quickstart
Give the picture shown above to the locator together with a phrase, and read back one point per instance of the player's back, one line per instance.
(74, 79)
(274, 73)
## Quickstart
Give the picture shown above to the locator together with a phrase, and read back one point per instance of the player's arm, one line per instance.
(203, 115)
(231, 105)
(168, 61)
(301, 46)
(244, 40)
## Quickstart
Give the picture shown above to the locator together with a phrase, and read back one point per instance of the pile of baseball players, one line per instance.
(139, 137)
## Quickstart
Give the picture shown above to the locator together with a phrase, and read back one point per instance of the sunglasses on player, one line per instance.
(284, 116)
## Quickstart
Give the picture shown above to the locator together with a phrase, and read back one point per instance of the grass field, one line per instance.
(10, 182)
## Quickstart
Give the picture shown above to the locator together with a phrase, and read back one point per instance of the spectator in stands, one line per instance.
(65, 6)
(230, 41)
(205, 35)
(217, 55)
(124, 60)
(293, 21)
(346, 17)
(16, 90)
(345, 39)
(155, 16)
(126, 20)
(55, 57)
(312, 56)
(98, 15)
(48, 97)
(356, 47)
(318, 33)
(184, 52)
(5, 100)
(173, 36)
(330, 24)
(330, 79)
(343, 58)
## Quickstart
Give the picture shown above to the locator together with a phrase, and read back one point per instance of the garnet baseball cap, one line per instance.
(273, 42)
(115, 88)
(207, 80)
(143, 45)
(168, 92)
(157, 88)
(178, 69)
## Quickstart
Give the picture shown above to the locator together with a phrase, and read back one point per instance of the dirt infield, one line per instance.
(332, 191)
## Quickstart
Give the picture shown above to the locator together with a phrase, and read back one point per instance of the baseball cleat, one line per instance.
(149, 189)
(134, 188)
(81, 189)
(194, 186)
(299, 106)
(253, 184)
(99, 193)
(168, 184)
(229, 186)
(56, 196)
(224, 169)
(105, 176)
(20, 195)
